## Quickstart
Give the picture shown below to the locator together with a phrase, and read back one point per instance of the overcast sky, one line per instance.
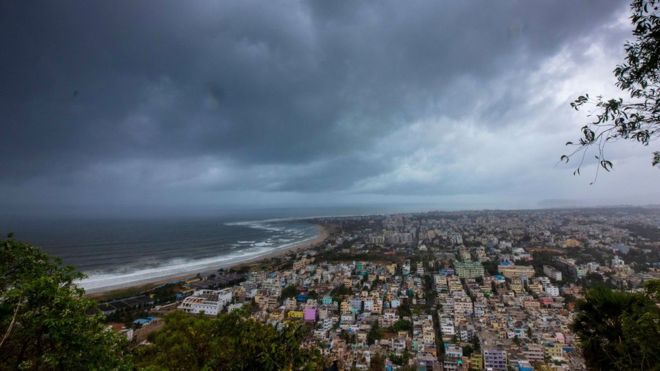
(199, 105)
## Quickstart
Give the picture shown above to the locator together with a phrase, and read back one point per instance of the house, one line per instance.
(295, 314)
(309, 315)
(209, 302)
(495, 359)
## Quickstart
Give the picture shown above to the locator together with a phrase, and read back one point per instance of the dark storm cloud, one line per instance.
(274, 96)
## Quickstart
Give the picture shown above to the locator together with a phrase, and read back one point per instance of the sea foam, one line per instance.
(132, 275)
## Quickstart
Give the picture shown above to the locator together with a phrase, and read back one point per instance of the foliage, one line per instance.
(231, 341)
(127, 317)
(289, 292)
(490, 266)
(619, 330)
(402, 325)
(339, 292)
(46, 322)
(349, 338)
(375, 333)
(593, 279)
(377, 362)
(404, 310)
(637, 118)
(165, 294)
(402, 359)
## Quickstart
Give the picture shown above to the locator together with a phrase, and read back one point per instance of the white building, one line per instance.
(617, 262)
(209, 302)
(552, 290)
(552, 272)
(406, 267)
(447, 326)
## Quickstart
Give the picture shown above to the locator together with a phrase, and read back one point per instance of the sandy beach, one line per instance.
(148, 283)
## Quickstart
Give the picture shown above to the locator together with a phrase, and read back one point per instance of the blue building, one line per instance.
(524, 366)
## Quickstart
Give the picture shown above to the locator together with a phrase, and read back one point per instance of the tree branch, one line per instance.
(13, 321)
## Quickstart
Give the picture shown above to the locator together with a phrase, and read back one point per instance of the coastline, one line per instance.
(148, 283)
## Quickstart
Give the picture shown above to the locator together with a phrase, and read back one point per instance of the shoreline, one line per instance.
(149, 283)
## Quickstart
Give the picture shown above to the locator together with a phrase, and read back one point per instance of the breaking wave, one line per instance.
(281, 235)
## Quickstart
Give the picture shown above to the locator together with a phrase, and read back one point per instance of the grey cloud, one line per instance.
(285, 96)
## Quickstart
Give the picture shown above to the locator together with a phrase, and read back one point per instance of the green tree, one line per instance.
(490, 266)
(46, 322)
(341, 290)
(374, 334)
(402, 325)
(476, 344)
(231, 341)
(402, 359)
(289, 292)
(377, 362)
(638, 117)
(404, 310)
(619, 330)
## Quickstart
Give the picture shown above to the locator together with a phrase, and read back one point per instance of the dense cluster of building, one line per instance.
(452, 291)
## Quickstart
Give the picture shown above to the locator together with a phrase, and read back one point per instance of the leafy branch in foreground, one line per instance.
(638, 118)
(46, 322)
(230, 341)
(620, 330)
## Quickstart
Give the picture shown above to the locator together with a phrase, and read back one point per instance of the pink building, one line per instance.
(546, 301)
(309, 315)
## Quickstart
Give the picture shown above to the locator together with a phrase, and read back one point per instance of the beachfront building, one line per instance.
(209, 302)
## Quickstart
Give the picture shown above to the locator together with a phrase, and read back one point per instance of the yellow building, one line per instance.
(512, 271)
(535, 287)
(571, 242)
(391, 268)
(476, 361)
(295, 314)
(517, 286)
(556, 350)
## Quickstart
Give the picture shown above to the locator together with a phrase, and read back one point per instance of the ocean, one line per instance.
(116, 252)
